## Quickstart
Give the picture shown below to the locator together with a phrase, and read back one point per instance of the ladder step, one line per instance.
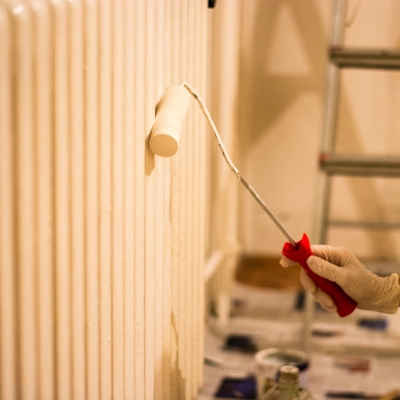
(365, 58)
(360, 165)
(379, 225)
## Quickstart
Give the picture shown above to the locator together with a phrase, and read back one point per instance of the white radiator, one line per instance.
(101, 243)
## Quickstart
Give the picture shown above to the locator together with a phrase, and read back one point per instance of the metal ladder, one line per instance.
(330, 163)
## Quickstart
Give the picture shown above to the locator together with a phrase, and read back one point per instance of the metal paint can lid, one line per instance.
(280, 356)
(268, 362)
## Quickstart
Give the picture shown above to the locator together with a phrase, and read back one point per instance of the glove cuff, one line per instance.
(391, 300)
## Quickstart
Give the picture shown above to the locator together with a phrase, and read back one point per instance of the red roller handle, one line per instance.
(344, 303)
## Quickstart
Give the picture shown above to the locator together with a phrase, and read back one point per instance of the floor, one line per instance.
(264, 308)
(266, 272)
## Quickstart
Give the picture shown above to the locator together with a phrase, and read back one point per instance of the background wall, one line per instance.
(279, 106)
(223, 185)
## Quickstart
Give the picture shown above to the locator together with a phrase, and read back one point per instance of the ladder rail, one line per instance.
(329, 123)
(332, 87)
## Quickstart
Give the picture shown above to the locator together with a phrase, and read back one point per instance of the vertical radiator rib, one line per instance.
(76, 102)
(118, 256)
(101, 242)
(105, 199)
(8, 240)
(133, 209)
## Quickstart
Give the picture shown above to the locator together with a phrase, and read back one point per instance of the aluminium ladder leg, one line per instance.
(329, 124)
(327, 144)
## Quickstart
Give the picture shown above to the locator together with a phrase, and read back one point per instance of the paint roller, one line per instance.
(171, 113)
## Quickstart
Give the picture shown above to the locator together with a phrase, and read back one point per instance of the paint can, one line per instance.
(270, 360)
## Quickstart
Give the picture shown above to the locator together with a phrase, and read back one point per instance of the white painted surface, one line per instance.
(102, 242)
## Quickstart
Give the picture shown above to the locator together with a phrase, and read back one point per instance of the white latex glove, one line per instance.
(339, 265)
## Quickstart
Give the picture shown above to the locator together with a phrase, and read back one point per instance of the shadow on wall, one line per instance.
(282, 70)
(266, 95)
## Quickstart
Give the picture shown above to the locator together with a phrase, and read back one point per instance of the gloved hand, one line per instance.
(339, 265)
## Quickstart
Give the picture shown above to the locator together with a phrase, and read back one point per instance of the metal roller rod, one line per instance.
(267, 210)
(233, 167)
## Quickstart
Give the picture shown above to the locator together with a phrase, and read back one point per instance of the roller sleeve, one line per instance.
(171, 113)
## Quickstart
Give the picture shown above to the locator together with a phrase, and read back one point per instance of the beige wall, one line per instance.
(279, 105)
(223, 187)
